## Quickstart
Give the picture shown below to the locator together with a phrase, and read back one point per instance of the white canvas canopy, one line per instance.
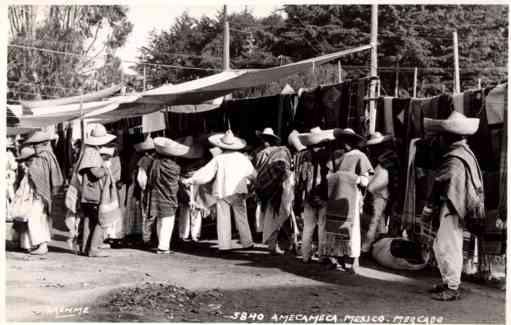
(187, 97)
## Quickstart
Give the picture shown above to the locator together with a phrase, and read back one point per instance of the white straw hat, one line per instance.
(268, 134)
(227, 140)
(456, 123)
(169, 147)
(99, 136)
(40, 136)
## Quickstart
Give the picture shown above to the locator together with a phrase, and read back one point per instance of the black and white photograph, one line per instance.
(254, 162)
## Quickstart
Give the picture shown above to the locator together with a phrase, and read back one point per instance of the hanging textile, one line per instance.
(153, 122)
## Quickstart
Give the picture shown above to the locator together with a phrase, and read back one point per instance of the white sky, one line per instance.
(161, 16)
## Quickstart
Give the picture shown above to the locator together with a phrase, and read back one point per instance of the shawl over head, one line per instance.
(272, 164)
(45, 173)
(462, 183)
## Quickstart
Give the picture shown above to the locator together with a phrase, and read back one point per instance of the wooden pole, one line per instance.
(396, 85)
(226, 41)
(457, 88)
(144, 82)
(415, 82)
(374, 66)
(339, 70)
(82, 121)
(479, 84)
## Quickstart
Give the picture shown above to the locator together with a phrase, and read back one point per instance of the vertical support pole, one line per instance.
(226, 41)
(374, 66)
(82, 121)
(144, 82)
(457, 88)
(479, 84)
(339, 70)
(415, 71)
(396, 85)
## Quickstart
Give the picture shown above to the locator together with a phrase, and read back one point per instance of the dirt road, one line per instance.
(67, 287)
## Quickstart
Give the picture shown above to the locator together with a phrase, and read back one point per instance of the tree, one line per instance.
(408, 35)
(33, 73)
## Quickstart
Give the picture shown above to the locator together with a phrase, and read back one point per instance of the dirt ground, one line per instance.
(65, 287)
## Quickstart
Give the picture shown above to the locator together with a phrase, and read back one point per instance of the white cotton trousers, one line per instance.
(448, 249)
(223, 222)
(312, 217)
(190, 221)
(164, 229)
(38, 227)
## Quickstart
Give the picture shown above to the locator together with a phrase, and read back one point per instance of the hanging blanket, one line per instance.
(342, 209)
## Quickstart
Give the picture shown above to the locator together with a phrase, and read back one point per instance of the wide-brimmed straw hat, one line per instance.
(26, 152)
(227, 141)
(196, 149)
(146, 145)
(315, 137)
(377, 138)
(349, 136)
(456, 123)
(169, 147)
(99, 136)
(268, 135)
(40, 136)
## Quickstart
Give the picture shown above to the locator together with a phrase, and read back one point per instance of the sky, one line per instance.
(162, 16)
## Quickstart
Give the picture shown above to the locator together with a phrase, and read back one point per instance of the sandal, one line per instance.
(447, 295)
(437, 288)
(165, 252)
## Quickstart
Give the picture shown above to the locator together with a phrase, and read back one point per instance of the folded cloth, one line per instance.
(342, 209)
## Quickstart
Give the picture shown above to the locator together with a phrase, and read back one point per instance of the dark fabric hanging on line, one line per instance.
(332, 106)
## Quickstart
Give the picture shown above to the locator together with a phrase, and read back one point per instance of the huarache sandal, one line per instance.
(447, 295)
(164, 252)
(437, 288)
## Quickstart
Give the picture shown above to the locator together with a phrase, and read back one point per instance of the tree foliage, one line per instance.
(408, 36)
(33, 73)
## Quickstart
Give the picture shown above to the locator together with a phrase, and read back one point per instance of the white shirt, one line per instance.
(229, 172)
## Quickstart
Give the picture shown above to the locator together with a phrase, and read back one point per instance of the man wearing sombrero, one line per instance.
(162, 189)
(93, 191)
(457, 199)
(274, 188)
(311, 188)
(230, 173)
(44, 172)
(382, 190)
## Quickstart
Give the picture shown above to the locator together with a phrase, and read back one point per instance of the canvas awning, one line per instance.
(59, 114)
(223, 83)
(89, 97)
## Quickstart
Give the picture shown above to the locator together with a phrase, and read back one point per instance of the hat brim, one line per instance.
(268, 137)
(351, 138)
(383, 139)
(314, 139)
(464, 126)
(25, 157)
(170, 148)
(144, 146)
(216, 140)
(40, 137)
(99, 141)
